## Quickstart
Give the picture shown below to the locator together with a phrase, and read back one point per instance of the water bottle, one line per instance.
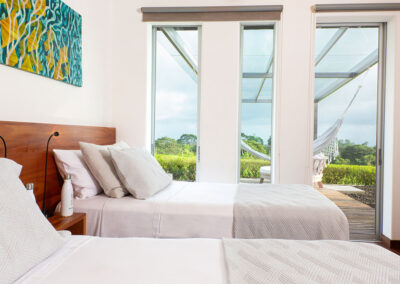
(67, 197)
(29, 189)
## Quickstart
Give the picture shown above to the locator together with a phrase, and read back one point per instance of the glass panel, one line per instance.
(323, 36)
(258, 47)
(325, 86)
(256, 118)
(355, 45)
(175, 105)
(251, 88)
(346, 122)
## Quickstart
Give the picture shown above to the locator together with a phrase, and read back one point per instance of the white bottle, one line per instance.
(29, 188)
(67, 197)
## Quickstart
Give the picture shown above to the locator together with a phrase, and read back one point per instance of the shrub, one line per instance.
(250, 168)
(184, 167)
(346, 174)
(181, 167)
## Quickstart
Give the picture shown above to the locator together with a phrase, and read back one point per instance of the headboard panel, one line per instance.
(26, 145)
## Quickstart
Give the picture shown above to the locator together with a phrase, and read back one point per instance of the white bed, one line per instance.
(205, 210)
(145, 261)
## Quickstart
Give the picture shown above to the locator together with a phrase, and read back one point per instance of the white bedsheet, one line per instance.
(129, 260)
(183, 210)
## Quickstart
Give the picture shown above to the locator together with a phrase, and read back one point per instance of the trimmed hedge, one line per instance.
(250, 168)
(346, 174)
(184, 167)
(181, 167)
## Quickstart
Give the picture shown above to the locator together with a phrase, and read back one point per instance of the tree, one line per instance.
(188, 142)
(168, 146)
(355, 154)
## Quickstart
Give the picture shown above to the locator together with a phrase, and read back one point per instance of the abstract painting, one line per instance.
(43, 37)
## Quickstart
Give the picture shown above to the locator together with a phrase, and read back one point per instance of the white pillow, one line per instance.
(26, 237)
(71, 162)
(98, 160)
(140, 172)
(13, 169)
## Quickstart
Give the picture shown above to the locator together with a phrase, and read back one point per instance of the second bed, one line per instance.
(213, 210)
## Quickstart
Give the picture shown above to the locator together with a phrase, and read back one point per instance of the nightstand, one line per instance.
(76, 223)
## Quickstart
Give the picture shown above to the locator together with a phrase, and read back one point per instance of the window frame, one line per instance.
(274, 25)
(154, 29)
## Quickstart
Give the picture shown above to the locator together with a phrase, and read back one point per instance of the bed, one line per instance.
(196, 210)
(31, 251)
(212, 210)
(102, 260)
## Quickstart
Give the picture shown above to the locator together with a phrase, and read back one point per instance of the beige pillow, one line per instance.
(98, 160)
(26, 237)
(140, 172)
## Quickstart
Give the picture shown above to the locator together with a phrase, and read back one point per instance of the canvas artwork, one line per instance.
(43, 37)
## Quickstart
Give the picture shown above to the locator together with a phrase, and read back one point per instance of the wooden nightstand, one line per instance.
(76, 223)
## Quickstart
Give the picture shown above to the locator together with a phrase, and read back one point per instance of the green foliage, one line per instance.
(166, 145)
(355, 154)
(253, 138)
(182, 168)
(250, 168)
(256, 143)
(346, 174)
(185, 145)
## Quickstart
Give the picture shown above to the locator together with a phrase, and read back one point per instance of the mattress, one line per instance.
(206, 210)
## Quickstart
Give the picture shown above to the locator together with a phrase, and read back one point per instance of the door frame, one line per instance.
(380, 119)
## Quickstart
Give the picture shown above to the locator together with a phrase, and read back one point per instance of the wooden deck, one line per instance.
(361, 217)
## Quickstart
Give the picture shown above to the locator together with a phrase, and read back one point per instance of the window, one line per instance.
(175, 99)
(257, 101)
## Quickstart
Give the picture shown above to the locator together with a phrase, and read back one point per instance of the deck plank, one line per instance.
(361, 217)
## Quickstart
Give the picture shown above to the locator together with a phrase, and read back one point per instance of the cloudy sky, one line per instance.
(176, 96)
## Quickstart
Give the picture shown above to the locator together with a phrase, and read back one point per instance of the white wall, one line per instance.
(219, 102)
(131, 89)
(29, 97)
(294, 99)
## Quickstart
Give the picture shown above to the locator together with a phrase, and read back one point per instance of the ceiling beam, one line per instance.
(360, 68)
(328, 46)
(189, 62)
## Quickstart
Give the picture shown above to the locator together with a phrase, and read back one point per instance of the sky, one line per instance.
(176, 91)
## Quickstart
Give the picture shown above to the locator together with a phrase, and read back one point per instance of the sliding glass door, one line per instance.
(175, 99)
(258, 43)
(347, 121)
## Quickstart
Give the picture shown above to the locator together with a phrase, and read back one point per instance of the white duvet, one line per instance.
(142, 261)
(200, 261)
(205, 210)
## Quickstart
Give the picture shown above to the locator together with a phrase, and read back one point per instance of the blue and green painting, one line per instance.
(43, 37)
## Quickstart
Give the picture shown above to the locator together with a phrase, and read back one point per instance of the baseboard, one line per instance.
(390, 244)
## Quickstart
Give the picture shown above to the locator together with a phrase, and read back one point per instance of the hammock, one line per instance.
(324, 143)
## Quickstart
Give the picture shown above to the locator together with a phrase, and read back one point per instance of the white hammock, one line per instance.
(326, 138)
(320, 144)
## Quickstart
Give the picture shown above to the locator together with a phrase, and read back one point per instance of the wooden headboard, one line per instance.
(26, 145)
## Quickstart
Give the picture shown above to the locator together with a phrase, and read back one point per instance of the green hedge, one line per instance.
(184, 167)
(181, 167)
(346, 174)
(250, 168)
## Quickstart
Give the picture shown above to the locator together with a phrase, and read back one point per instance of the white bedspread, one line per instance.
(293, 211)
(205, 210)
(183, 210)
(129, 260)
(303, 262)
(199, 261)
